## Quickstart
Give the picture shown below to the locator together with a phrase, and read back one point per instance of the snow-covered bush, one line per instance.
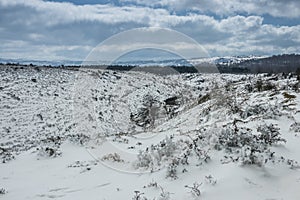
(211, 180)
(53, 140)
(138, 196)
(195, 188)
(226, 99)
(113, 157)
(167, 147)
(144, 117)
(266, 111)
(2, 191)
(264, 85)
(6, 154)
(269, 134)
(80, 139)
(49, 151)
(174, 153)
(234, 137)
(293, 164)
(120, 139)
(172, 169)
(202, 154)
(295, 127)
(249, 88)
(251, 155)
(145, 160)
(83, 164)
(248, 148)
(155, 154)
(164, 195)
(296, 86)
(50, 146)
(152, 184)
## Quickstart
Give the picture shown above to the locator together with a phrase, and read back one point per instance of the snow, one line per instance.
(69, 135)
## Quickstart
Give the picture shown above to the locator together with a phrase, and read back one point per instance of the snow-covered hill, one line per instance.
(100, 134)
(227, 60)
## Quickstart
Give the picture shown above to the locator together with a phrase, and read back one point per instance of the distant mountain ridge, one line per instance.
(228, 64)
(39, 62)
(227, 60)
(274, 64)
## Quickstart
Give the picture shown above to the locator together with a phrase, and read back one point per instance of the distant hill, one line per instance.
(247, 64)
(274, 64)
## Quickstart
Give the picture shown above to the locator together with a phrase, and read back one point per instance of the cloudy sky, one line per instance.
(69, 30)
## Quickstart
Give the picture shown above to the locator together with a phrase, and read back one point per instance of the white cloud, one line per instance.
(64, 30)
(276, 8)
(240, 23)
(53, 13)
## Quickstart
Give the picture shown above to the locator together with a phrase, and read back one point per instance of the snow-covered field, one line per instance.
(98, 134)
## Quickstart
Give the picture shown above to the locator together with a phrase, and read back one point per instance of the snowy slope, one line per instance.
(97, 134)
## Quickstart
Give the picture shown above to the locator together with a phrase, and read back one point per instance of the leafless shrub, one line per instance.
(211, 180)
(164, 195)
(138, 196)
(295, 127)
(195, 189)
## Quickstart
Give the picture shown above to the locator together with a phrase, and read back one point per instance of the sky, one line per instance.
(70, 30)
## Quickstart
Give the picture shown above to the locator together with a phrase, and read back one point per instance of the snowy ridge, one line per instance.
(101, 134)
(227, 60)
